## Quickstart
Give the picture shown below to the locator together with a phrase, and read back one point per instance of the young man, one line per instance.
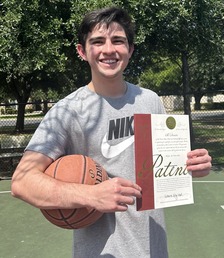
(97, 121)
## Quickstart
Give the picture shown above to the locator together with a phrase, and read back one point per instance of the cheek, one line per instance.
(93, 51)
(125, 51)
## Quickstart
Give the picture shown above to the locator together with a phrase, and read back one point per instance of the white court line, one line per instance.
(208, 181)
(222, 206)
(3, 192)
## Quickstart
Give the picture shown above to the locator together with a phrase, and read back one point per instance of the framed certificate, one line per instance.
(161, 146)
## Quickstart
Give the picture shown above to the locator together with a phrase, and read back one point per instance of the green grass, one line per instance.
(210, 135)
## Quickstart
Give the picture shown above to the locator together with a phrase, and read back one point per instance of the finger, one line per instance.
(197, 153)
(129, 191)
(122, 207)
(126, 187)
(137, 187)
(199, 167)
(128, 183)
(200, 173)
(199, 160)
(127, 200)
(198, 156)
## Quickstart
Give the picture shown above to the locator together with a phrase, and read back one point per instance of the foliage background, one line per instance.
(178, 49)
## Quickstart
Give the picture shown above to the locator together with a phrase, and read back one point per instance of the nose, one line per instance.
(108, 47)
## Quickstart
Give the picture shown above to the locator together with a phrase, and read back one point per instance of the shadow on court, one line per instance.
(194, 231)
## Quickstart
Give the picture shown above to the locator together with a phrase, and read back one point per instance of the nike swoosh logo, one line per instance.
(109, 151)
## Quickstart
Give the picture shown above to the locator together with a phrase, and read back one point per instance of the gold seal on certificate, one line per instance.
(161, 146)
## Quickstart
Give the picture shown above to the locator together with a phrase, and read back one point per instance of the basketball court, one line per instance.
(25, 233)
(195, 231)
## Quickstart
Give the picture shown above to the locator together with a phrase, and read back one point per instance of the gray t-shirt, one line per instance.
(103, 129)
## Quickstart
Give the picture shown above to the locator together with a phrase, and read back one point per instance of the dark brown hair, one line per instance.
(106, 16)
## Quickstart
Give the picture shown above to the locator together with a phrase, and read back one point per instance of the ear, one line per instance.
(131, 50)
(81, 52)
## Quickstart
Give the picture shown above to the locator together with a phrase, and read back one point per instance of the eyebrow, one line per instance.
(95, 38)
(101, 38)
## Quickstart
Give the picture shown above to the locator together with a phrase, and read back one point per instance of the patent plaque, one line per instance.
(161, 146)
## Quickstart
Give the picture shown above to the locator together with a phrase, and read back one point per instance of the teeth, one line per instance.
(109, 61)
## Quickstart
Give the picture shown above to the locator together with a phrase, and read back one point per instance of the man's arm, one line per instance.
(30, 184)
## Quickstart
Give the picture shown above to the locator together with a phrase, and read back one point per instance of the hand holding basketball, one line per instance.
(115, 195)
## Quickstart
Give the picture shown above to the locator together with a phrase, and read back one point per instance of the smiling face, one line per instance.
(107, 51)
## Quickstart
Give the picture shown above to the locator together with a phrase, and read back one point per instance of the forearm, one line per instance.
(30, 184)
(44, 192)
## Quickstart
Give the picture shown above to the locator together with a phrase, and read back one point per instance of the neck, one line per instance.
(110, 88)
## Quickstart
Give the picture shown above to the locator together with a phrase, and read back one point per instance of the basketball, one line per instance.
(75, 169)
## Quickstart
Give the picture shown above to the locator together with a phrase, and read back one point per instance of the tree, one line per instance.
(37, 44)
(206, 77)
(37, 41)
(185, 29)
(163, 76)
(31, 45)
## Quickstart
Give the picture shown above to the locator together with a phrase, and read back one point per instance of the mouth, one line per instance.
(109, 61)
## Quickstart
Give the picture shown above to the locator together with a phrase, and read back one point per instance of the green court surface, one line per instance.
(25, 233)
(193, 231)
(197, 230)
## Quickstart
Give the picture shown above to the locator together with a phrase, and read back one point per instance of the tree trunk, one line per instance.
(197, 97)
(20, 118)
(45, 109)
(186, 91)
(22, 99)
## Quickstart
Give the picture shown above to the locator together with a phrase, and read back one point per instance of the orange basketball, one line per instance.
(75, 169)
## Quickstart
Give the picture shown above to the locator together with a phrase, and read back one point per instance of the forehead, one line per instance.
(103, 30)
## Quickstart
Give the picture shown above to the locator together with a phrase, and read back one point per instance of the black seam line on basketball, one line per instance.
(55, 170)
(84, 169)
(84, 218)
(63, 218)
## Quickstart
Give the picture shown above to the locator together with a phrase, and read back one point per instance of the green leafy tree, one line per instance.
(37, 48)
(37, 42)
(163, 76)
(31, 46)
(184, 29)
(206, 77)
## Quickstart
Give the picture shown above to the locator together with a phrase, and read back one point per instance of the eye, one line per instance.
(119, 41)
(97, 42)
